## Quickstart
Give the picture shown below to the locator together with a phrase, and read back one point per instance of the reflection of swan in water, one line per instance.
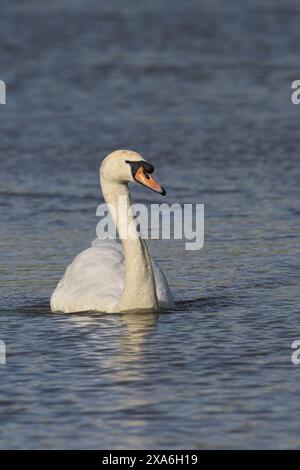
(128, 341)
(118, 361)
(139, 326)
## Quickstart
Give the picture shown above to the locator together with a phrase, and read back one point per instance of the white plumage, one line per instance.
(94, 281)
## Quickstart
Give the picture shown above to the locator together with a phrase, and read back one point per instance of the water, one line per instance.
(202, 90)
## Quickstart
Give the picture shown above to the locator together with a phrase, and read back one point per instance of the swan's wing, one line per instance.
(164, 294)
(93, 281)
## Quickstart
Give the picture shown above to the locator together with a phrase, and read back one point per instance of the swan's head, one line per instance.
(124, 166)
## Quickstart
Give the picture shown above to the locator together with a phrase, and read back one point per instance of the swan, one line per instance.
(112, 276)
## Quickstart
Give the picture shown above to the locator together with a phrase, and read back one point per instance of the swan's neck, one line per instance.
(139, 284)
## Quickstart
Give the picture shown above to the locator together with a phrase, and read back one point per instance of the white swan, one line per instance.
(111, 276)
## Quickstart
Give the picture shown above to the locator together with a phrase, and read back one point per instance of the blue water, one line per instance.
(202, 90)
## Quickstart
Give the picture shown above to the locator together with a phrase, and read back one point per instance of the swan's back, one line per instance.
(94, 280)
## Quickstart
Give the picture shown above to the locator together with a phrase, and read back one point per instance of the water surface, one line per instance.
(202, 90)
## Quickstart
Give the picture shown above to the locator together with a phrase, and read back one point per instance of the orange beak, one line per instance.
(147, 180)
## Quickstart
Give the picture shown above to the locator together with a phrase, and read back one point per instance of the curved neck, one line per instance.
(139, 290)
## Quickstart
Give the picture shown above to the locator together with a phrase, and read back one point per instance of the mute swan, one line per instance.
(111, 276)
